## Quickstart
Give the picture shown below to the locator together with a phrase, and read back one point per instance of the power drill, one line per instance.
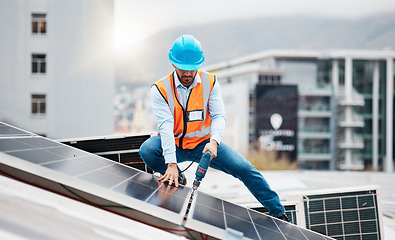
(199, 175)
(201, 169)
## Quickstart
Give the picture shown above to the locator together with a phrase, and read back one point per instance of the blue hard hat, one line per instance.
(186, 53)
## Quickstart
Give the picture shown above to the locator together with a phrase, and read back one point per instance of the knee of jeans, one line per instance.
(145, 150)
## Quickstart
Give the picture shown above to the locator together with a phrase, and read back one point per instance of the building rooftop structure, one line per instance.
(294, 53)
(345, 104)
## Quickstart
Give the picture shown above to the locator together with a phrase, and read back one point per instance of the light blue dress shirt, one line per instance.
(165, 118)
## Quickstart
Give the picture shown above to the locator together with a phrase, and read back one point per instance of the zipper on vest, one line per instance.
(185, 115)
(185, 119)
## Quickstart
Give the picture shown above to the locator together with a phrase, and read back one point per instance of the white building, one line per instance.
(56, 66)
(345, 103)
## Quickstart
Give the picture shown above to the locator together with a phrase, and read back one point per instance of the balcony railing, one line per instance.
(321, 129)
(314, 107)
(354, 164)
(356, 99)
(354, 120)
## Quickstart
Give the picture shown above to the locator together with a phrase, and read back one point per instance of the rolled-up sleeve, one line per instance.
(165, 125)
(217, 113)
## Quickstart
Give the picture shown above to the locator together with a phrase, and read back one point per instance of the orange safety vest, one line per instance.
(192, 125)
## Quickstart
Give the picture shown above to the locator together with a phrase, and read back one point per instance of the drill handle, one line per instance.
(207, 154)
(203, 165)
(205, 160)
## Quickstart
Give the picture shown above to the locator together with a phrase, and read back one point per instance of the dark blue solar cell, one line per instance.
(135, 189)
(7, 130)
(39, 142)
(209, 210)
(311, 235)
(236, 210)
(69, 167)
(12, 145)
(146, 179)
(67, 152)
(165, 197)
(209, 215)
(37, 156)
(267, 233)
(102, 178)
(121, 170)
(209, 201)
(95, 161)
(291, 231)
(265, 226)
(241, 225)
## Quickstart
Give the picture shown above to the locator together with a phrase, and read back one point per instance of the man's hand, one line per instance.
(212, 147)
(171, 174)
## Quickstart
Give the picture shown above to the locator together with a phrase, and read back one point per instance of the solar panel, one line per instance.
(214, 214)
(352, 214)
(130, 192)
(75, 173)
(6, 130)
(343, 213)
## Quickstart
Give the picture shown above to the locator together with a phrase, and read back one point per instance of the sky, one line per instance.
(135, 20)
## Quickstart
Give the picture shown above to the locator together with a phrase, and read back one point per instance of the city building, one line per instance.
(345, 104)
(56, 67)
(133, 112)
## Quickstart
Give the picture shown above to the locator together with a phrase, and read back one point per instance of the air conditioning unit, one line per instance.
(346, 213)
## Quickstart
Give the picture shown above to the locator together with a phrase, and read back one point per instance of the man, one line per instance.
(191, 120)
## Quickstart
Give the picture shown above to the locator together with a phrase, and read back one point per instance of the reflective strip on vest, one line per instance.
(202, 133)
(170, 99)
(206, 91)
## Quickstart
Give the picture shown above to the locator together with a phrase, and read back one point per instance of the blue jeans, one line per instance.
(227, 160)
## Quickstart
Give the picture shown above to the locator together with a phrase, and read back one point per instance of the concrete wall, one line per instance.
(79, 81)
(236, 101)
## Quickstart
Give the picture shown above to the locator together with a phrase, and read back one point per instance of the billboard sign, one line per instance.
(276, 119)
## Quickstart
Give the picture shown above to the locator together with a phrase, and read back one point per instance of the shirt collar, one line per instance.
(178, 83)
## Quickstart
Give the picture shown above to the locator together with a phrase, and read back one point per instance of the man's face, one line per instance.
(186, 77)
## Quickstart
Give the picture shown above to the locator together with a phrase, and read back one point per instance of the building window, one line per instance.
(38, 63)
(38, 104)
(269, 79)
(39, 24)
